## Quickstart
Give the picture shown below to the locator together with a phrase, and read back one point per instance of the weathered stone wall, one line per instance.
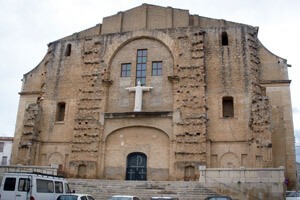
(245, 183)
(183, 110)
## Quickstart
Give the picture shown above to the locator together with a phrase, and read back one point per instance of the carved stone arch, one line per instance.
(55, 158)
(161, 37)
(229, 160)
(124, 52)
(133, 126)
(150, 141)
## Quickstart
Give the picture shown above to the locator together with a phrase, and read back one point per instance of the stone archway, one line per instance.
(56, 159)
(229, 160)
(149, 141)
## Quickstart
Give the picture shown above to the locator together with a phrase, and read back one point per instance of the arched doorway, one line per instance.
(136, 167)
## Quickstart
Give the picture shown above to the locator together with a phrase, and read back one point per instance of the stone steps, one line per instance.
(103, 189)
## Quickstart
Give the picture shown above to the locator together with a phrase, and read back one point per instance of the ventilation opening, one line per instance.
(68, 50)
(224, 39)
(228, 111)
(60, 111)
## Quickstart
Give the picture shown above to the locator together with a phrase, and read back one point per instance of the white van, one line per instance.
(32, 186)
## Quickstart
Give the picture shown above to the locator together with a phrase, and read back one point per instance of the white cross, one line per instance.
(138, 95)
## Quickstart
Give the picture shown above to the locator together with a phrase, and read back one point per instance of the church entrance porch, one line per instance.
(136, 167)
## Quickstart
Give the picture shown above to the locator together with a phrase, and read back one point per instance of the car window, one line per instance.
(90, 198)
(10, 184)
(44, 186)
(67, 189)
(291, 194)
(24, 184)
(58, 187)
(83, 198)
(67, 197)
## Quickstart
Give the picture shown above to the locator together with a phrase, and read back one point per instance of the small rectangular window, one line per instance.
(1, 146)
(4, 160)
(156, 68)
(44, 186)
(126, 70)
(60, 111)
(9, 184)
(228, 109)
(58, 187)
(24, 185)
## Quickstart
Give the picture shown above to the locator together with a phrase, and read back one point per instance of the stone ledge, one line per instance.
(118, 115)
(30, 93)
(266, 82)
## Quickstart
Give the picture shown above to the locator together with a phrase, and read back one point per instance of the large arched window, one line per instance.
(224, 39)
(227, 105)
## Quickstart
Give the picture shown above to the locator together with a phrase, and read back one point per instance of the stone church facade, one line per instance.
(218, 98)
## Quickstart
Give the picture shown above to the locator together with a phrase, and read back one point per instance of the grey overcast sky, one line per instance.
(27, 26)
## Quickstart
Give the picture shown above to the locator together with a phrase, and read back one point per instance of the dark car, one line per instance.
(218, 198)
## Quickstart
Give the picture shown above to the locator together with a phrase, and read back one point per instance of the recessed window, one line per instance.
(227, 104)
(156, 68)
(141, 66)
(1, 146)
(68, 50)
(125, 70)
(4, 160)
(60, 111)
(224, 39)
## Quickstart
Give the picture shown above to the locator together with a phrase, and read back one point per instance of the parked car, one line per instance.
(124, 197)
(75, 197)
(218, 198)
(292, 195)
(33, 186)
(164, 198)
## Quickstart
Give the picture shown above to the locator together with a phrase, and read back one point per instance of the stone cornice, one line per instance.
(30, 93)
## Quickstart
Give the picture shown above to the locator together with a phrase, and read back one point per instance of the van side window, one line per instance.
(58, 187)
(44, 186)
(10, 184)
(24, 184)
(67, 189)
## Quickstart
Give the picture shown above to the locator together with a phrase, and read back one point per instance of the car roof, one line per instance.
(73, 194)
(123, 196)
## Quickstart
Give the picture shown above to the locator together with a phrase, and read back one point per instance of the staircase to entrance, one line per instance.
(103, 189)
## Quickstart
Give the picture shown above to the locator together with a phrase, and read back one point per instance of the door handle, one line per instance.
(18, 195)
